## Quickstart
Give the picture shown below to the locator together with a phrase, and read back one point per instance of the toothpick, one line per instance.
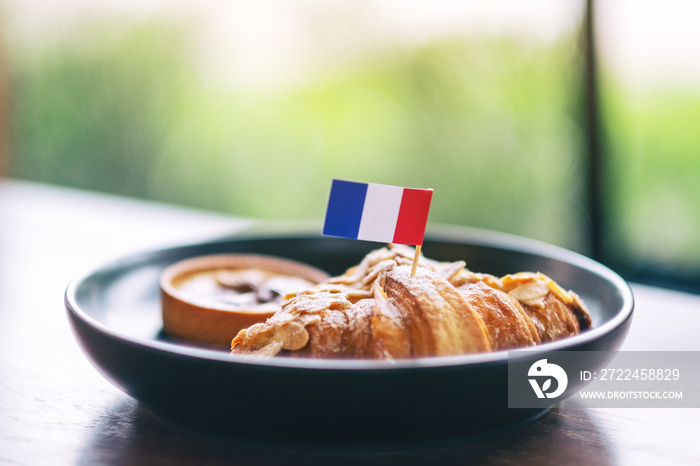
(415, 260)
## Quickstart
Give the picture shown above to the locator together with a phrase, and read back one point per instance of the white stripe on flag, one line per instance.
(380, 213)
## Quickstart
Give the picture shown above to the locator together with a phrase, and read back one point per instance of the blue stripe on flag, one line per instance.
(345, 205)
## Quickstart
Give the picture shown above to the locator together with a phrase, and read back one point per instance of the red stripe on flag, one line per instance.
(413, 216)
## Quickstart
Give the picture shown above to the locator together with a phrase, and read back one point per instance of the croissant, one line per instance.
(377, 310)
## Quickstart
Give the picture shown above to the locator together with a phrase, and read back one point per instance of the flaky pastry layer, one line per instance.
(377, 310)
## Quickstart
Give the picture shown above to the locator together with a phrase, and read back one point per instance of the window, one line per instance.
(253, 107)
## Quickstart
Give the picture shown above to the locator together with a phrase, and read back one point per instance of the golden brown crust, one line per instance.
(508, 324)
(207, 326)
(556, 313)
(357, 340)
(378, 310)
(439, 320)
(554, 320)
(390, 338)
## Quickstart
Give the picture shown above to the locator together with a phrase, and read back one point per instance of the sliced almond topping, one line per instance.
(531, 293)
(293, 336)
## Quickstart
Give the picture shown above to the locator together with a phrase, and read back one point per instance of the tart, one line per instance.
(208, 299)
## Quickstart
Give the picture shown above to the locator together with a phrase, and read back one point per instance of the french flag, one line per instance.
(377, 212)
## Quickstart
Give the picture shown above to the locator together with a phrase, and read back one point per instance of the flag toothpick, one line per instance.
(416, 256)
(378, 212)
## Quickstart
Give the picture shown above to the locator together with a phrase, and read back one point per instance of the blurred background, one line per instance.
(571, 122)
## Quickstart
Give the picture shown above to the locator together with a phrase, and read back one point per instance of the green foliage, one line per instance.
(93, 114)
(655, 176)
(491, 124)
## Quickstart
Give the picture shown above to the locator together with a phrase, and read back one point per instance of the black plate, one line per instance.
(115, 315)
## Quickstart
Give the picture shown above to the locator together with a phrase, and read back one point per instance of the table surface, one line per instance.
(55, 408)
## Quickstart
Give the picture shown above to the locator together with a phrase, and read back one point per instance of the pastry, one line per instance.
(377, 310)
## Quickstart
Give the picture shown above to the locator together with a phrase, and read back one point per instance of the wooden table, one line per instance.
(56, 409)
